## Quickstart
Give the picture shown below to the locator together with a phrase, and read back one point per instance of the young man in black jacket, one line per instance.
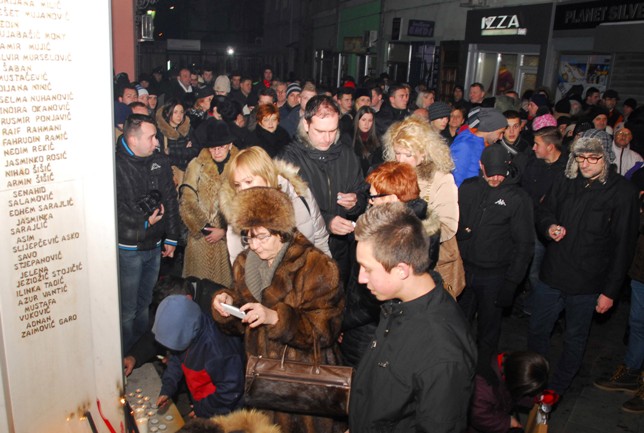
(496, 240)
(417, 373)
(148, 216)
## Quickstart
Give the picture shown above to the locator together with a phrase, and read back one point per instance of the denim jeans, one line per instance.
(138, 273)
(479, 297)
(547, 303)
(533, 273)
(635, 351)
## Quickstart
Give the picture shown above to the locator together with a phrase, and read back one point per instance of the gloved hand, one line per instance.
(506, 294)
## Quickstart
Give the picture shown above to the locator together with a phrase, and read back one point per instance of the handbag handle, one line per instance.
(316, 356)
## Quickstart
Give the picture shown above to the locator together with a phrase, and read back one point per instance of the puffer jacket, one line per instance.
(136, 177)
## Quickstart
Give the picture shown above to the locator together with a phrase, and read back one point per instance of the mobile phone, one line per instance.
(234, 311)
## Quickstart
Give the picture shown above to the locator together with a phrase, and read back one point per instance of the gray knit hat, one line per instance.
(438, 110)
(491, 119)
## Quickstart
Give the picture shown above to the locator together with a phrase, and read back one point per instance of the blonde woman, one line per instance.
(254, 167)
(414, 142)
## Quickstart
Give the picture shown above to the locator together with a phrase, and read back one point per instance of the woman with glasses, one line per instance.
(206, 254)
(253, 167)
(413, 142)
(289, 290)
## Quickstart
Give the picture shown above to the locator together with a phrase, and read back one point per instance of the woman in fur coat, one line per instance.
(254, 167)
(289, 290)
(206, 254)
(413, 141)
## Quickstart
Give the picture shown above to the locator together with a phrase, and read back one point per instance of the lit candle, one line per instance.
(142, 424)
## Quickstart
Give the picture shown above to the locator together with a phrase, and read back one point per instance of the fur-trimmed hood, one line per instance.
(168, 131)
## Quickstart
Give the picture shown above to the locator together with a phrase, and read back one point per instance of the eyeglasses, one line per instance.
(375, 196)
(623, 134)
(247, 240)
(590, 159)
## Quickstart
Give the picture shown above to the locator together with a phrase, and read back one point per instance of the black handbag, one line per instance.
(298, 387)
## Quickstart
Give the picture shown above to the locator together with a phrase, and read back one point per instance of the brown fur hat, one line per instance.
(263, 207)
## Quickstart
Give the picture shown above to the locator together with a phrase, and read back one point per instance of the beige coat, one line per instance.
(439, 190)
(199, 205)
(309, 220)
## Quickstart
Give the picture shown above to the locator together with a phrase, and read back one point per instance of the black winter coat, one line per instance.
(417, 373)
(273, 143)
(496, 227)
(328, 173)
(136, 177)
(601, 222)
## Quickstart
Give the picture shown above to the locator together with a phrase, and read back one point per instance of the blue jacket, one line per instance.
(466, 152)
(213, 366)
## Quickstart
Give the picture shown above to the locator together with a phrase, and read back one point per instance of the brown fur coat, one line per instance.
(305, 292)
(199, 205)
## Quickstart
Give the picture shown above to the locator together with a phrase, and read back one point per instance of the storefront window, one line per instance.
(499, 72)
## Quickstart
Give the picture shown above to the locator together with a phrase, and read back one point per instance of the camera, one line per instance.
(149, 202)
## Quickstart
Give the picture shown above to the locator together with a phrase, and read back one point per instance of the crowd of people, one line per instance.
(385, 227)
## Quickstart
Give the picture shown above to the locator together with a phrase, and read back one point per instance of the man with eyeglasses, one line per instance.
(590, 219)
(625, 157)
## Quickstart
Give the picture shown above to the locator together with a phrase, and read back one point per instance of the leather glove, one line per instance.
(506, 295)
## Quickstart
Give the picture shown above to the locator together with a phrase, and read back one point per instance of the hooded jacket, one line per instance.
(308, 218)
(601, 221)
(213, 366)
(136, 177)
(496, 227)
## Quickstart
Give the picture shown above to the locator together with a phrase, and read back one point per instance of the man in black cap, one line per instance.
(610, 102)
(496, 240)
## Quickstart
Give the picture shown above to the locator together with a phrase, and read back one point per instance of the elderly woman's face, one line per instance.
(220, 153)
(264, 244)
(407, 156)
(244, 179)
